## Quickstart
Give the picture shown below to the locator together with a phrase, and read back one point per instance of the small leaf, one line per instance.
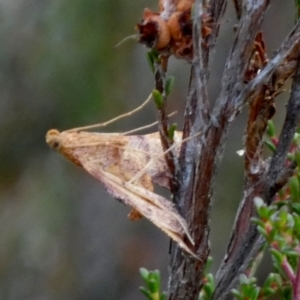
(271, 129)
(146, 293)
(171, 131)
(169, 84)
(297, 158)
(296, 207)
(243, 279)
(296, 219)
(258, 202)
(294, 189)
(152, 58)
(144, 273)
(158, 98)
(292, 253)
(163, 296)
(209, 287)
(237, 294)
(297, 4)
(277, 255)
(152, 285)
(150, 61)
(253, 293)
(270, 145)
(208, 264)
(258, 222)
(267, 292)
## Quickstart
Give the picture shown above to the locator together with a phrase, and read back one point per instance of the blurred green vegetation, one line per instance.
(62, 235)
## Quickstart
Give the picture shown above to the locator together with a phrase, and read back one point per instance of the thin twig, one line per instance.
(269, 186)
(200, 157)
(163, 125)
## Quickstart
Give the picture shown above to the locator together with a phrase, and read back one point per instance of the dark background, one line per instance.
(61, 235)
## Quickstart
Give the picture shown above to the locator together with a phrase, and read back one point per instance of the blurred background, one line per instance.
(61, 235)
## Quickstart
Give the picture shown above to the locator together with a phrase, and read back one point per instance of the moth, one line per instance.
(128, 166)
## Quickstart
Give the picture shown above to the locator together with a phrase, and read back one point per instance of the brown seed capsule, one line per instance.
(174, 26)
(183, 5)
(154, 31)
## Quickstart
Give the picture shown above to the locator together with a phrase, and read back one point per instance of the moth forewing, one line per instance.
(80, 146)
(161, 203)
(157, 209)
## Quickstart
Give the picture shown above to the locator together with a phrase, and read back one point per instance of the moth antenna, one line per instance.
(139, 174)
(128, 114)
(127, 38)
(147, 126)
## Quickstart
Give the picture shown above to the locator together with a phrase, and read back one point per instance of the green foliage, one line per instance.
(158, 98)
(297, 4)
(248, 288)
(152, 281)
(171, 131)
(169, 84)
(279, 224)
(152, 58)
(209, 282)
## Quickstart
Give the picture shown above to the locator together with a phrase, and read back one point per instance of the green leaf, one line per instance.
(237, 294)
(243, 279)
(291, 253)
(267, 292)
(171, 131)
(152, 285)
(158, 98)
(169, 84)
(208, 264)
(294, 189)
(297, 158)
(146, 293)
(144, 273)
(150, 61)
(258, 222)
(287, 293)
(278, 256)
(271, 129)
(209, 287)
(263, 232)
(152, 58)
(270, 145)
(296, 220)
(163, 296)
(253, 294)
(259, 202)
(296, 207)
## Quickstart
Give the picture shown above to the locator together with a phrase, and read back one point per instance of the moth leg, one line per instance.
(134, 215)
(128, 114)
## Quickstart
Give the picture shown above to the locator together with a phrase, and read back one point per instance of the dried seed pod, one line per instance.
(180, 26)
(154, 31)
(174, 26)
(183, 5)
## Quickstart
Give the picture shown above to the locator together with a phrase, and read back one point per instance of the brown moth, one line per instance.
(128, 165)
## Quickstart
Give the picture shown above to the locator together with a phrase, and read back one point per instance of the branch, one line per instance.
(237, 261)
(200, 156)
(162, 118)
(278, 162)
(215, 11)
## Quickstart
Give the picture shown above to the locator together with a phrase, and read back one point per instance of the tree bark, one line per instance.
(201, 154)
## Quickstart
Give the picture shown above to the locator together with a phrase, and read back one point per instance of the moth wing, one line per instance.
(167, 220)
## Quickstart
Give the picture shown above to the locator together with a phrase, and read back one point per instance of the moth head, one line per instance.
(53, 139)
